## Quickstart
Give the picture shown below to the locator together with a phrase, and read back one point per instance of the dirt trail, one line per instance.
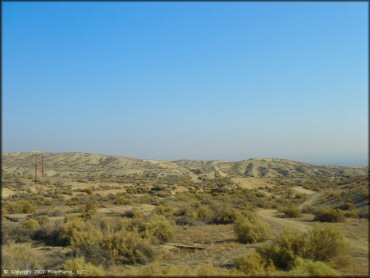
(314, 198)
(278, 223)
(355, 230)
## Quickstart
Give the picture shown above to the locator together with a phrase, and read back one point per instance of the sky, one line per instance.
(175, 80)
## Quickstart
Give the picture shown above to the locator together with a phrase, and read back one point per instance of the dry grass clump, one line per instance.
(164, 209)
(107, 243)
(291, 211)
(329, 215)
(21, 256)
(133, 213)
(21, 206)
(249, 230)
(211, 213)
(79, 264)
(128, 248)
(31, 224)
(12, 232)
(88, 210)
(305, 267)
(157, 228)
(254, 264)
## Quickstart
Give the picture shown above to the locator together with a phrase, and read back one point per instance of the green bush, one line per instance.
(304, 267)
(329, 215)
(79, 264)
(253, 264)
(249, 230)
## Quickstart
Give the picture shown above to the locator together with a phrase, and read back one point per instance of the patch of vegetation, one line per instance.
(322, 243)
(291, 211)
(253, 264)
(21, 206)
(21, 256)
(79, 264)
(305, 267)
(249, 230)
(329, 215)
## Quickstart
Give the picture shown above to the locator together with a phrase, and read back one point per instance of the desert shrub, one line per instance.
(21, 206)
(42, 219)
(21, 256)
(205, 214)
(308, 209)
(253, 264)
(283, 251)
(329, 215)
(249, 230)
(157, 229)
(51, 234)
(364, 212)
(78, 264)
(347, 206)
(107, 244)
(291, 211)
(304, 267)
(91, 243)
(71, 227)
(322, 243)
(89, 210)
(122, 200)
(353, 213)
(88, 191)
(31, 224)
(224, 214)
(16, 233)
(128, 248)
(133, 213)
(186, 216)
(164, 209)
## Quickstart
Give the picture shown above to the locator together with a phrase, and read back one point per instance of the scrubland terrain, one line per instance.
(111, 215)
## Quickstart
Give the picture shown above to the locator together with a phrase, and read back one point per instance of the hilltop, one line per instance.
(100, 165)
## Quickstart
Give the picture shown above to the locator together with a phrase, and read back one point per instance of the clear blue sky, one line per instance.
(225, 81)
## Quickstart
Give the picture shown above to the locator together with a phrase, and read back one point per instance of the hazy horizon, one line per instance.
(199, 81)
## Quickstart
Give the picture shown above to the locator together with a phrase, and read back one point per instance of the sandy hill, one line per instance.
(270, 168)
(72, 164)
(119, 166)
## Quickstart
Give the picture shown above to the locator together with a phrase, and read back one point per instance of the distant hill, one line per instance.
(72, 164)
